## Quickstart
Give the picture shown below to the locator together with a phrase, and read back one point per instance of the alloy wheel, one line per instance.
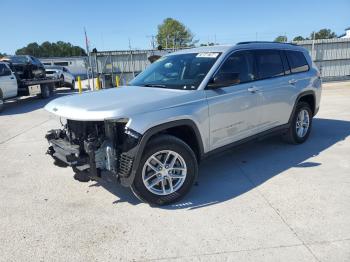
(164, 172)
(302, 123)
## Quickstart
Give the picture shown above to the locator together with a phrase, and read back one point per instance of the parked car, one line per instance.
(26, 67)
(187, 105)
(62, 73)
(8, 83)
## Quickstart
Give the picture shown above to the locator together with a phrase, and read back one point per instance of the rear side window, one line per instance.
(240, 64)
(297, 61)
(269, 63)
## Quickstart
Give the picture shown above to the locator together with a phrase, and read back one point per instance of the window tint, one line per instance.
(269, 63)
(297, 61)
(240, 64)
(285, 63)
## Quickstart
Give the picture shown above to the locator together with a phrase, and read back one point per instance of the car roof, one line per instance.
(242, 45)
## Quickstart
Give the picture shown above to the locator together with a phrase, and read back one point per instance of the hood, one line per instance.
(121, 102)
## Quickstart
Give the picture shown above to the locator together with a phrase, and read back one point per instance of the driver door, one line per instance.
(234, 108)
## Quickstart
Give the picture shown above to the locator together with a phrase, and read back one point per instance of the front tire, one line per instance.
(167, 171)
(300, 125)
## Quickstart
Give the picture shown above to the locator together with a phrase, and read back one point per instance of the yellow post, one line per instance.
(98, 83)
(80, 88)
(117, 81)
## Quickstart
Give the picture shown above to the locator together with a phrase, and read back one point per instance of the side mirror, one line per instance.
(224, 79)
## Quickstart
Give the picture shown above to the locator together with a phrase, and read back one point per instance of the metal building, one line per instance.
(332, 56)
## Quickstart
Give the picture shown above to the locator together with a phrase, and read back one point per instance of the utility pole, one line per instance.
(153, 42)
(90, 64)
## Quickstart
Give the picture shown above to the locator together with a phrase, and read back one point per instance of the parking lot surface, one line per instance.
(265, 201)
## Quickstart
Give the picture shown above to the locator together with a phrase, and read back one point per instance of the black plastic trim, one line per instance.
(259, 136)
(305, 93)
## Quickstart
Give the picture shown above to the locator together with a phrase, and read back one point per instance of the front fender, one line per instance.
(149, 124)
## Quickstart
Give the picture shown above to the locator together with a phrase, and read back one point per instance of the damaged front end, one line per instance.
(95, 146)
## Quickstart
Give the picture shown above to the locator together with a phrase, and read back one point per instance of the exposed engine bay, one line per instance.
(94, 146)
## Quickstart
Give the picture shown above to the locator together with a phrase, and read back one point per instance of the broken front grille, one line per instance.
(125, 165)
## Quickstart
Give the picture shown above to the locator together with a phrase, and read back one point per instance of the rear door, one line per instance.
(275, 89)
(234, 110)
(298, 78)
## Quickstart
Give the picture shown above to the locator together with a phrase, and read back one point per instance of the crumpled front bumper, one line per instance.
(85, 157)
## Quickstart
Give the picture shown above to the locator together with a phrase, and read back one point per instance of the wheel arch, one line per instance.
(308, 97)
(177, 128)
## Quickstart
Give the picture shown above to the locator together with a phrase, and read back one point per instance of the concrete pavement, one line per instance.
(265, 201)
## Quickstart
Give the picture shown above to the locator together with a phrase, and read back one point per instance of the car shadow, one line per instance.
(239, 170)
(28, 104)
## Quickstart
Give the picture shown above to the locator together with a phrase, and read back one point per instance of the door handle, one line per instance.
(253, 89)
(292, 81)
(12, 77)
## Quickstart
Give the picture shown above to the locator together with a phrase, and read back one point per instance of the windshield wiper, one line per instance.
(155, 85)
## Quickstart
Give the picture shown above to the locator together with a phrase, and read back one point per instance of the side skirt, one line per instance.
(260, 136)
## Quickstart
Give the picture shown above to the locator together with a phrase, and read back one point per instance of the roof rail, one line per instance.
(262, 42)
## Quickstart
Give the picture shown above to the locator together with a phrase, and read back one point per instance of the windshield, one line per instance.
(19, 59)
(183, 71)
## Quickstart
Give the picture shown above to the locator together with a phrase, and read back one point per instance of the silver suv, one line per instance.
(152, 134)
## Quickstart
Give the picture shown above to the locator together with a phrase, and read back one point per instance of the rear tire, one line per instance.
(1, 102)
(300, 125)
(62, 81)
(46, 91)
(72, 87)
(171, 165)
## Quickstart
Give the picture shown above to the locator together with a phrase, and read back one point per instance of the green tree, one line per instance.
(281, 39)
(323, 34)
(298, 38)
(173, 33)
(47, 49)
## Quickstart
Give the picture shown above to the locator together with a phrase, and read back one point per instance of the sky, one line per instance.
(111, 24)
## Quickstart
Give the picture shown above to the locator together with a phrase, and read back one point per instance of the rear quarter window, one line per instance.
(297, 61)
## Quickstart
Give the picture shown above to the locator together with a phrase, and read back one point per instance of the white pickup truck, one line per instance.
(11, 86)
